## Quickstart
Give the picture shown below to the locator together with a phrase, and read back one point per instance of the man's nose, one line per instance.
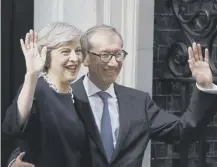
(113, 62)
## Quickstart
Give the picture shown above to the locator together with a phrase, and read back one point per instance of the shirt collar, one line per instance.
(91, 89)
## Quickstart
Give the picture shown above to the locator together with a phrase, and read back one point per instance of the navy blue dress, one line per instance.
(54, 136)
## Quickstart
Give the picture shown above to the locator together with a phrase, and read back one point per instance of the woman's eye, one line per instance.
(65, 52)
(78, 52)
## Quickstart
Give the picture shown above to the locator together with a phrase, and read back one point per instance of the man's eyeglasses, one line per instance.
(106, 57)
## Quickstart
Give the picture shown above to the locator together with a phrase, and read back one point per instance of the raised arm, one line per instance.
(34, 65)
(202, 108)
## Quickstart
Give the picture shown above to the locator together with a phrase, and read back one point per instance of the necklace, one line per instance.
(55, 88)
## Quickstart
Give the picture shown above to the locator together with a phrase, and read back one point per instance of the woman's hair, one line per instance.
(55, 35)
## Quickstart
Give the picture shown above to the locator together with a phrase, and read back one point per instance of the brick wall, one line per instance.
(167, 92)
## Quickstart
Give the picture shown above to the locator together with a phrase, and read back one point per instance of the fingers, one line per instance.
(26, 164)
(195, 52)
(199, 52)
(21, 155)
(31, 38)
(20, 162)
(35, 37)
(27, 44)
(191, 59)
(30, 42)
(23, 47)
(190, 54)
(206, 59)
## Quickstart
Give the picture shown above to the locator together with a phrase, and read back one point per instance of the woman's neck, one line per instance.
(62, 87)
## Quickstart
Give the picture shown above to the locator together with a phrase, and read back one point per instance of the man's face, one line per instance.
(103, 74)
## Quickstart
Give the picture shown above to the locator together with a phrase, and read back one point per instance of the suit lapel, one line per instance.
(83, 108)
(125, 110)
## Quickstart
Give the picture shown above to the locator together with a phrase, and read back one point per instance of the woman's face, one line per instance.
(66, 61)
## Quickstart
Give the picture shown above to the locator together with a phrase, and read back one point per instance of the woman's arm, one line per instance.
(34, 65)
(25, 98)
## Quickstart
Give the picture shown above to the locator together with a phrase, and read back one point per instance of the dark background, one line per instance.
(17, 17)
(175, 29)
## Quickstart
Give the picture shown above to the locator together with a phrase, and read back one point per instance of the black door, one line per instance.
(16, 19)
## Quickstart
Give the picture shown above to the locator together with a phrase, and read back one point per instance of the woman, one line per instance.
(43, 113)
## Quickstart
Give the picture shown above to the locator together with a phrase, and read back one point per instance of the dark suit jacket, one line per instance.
(140, 120)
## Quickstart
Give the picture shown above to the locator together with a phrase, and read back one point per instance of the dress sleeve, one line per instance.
(10, 124)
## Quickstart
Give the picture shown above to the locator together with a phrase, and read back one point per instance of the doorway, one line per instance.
(16, 19)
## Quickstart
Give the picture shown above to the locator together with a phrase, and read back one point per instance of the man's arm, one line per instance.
(16, 159)
(202, 108)
(213, 90)
(169, 128)
(13, 156)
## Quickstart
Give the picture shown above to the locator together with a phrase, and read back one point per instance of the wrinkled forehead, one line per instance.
(105, 41)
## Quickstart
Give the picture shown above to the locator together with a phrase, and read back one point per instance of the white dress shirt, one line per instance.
(96, 104)
(212, 91)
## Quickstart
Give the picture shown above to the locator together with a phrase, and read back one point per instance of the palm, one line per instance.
(34, 63)
(34, 60)
(200, 68)
(201, 72)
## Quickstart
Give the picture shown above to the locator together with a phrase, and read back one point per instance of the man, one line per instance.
(120, 120)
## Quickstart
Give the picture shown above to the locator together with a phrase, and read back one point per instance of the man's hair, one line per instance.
(85, 38)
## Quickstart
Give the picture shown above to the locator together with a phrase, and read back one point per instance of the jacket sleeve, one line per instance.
(166, 127)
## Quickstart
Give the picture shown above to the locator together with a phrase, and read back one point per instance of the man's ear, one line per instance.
(86, 61)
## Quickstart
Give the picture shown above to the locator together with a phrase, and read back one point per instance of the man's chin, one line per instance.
(110, 80)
